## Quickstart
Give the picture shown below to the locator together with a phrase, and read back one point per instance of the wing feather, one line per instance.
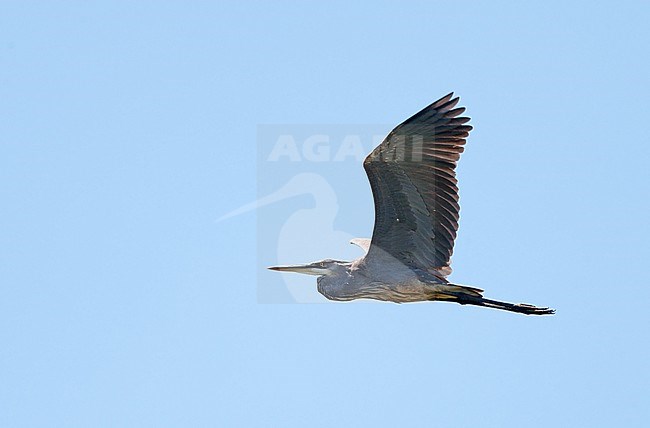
(414, 186)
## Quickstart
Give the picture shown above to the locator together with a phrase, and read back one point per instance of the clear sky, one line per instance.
(128, 128)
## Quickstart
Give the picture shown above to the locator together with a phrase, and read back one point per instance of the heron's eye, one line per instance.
(322, 265)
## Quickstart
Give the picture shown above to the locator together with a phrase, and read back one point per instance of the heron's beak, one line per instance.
(309, 269)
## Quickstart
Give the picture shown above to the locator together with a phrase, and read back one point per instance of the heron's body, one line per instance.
(412, 175)
(392, 282)
(357, 282)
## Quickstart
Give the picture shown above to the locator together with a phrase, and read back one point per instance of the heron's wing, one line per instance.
(363, 243)
(413, 180)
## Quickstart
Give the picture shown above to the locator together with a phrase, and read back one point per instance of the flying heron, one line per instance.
(413, 181)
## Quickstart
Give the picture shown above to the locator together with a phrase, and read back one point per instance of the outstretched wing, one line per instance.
(413, 180)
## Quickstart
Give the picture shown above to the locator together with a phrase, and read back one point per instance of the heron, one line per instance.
(412, 175)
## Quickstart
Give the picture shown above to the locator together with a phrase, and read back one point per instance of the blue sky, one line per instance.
(127, 129)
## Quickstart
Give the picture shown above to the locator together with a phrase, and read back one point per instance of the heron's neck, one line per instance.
(336, 285)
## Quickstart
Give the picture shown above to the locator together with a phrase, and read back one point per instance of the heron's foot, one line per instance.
(528, 309)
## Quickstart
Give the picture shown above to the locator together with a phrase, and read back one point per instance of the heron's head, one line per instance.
(319, 268)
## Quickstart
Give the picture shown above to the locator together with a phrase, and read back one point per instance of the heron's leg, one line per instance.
(522, 308)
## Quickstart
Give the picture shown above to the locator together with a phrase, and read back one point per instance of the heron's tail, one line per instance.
(454, 291)
(473, 296)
